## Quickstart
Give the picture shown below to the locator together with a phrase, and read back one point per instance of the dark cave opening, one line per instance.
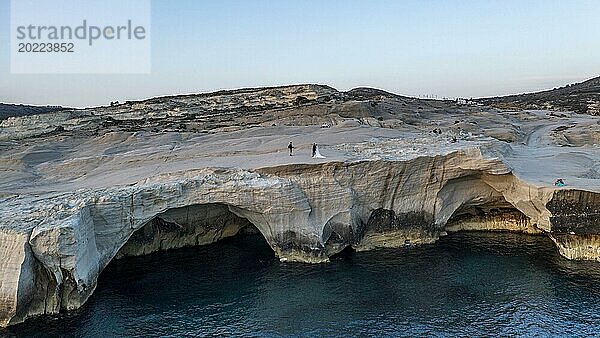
(193, 225)
(347, 253)
(497, 215)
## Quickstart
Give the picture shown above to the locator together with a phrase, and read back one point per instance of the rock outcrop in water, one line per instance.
(173, 172)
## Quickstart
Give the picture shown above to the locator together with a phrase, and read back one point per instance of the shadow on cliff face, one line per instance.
(388, 229)
(575, 211)
(498, 216)
(188, 226)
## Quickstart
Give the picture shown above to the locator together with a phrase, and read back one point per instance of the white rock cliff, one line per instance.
(71, 204)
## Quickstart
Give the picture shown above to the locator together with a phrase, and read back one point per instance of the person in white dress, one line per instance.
(315, 151)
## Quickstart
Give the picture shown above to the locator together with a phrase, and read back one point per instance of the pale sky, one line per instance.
(444, 48)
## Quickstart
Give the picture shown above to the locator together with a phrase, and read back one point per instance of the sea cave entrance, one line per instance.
(193, 225)
(483, 207)
(496, 215)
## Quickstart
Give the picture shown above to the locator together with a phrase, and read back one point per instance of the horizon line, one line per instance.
(250, 88)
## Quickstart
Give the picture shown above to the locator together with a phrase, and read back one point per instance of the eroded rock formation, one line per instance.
(71, 203)
(306, 213)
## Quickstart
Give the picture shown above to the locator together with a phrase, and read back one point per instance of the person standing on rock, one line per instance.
(290, 147)
(314, 149)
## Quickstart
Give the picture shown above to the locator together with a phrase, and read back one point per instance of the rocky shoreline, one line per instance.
(76, 198)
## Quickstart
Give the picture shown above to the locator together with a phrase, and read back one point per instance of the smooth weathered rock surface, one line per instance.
(172, 172)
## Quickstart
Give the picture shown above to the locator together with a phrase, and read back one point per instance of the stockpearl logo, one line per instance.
(80, 37)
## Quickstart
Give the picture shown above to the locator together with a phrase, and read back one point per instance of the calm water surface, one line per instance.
(467, 284)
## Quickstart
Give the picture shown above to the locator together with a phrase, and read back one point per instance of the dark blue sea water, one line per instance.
(470, 284)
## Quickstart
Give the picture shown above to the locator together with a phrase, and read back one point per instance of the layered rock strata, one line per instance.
(307, 213)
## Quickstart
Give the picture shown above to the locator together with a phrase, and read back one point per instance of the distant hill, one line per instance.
(581, 97)
(10, 110)
(358, 101)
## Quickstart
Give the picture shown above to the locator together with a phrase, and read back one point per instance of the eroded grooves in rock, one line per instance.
(576, 223)
(575, 211)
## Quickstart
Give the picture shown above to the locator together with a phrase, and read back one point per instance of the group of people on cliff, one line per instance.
(315, 150)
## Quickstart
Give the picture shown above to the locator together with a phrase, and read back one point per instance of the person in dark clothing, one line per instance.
(314, 149)
(290, 147)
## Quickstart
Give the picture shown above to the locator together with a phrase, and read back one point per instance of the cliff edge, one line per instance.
(81, 188)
